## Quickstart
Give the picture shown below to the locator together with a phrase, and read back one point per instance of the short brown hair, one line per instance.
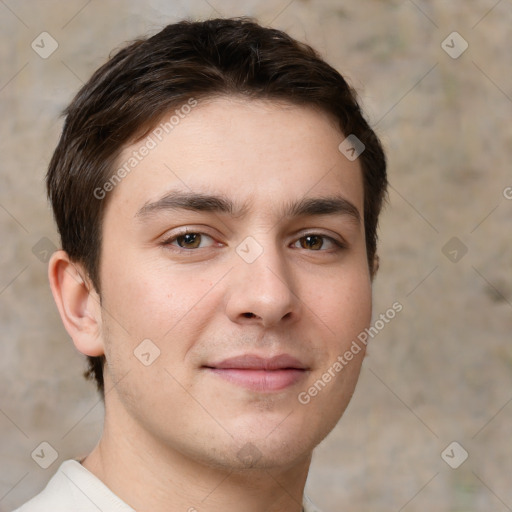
(127, 96)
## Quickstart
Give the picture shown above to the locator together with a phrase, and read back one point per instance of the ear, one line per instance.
(78, 303)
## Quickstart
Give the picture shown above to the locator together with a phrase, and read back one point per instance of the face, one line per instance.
(234, 274)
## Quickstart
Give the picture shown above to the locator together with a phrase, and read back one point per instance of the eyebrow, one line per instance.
(201, 202)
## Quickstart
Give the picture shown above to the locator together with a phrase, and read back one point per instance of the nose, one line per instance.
(263, 292)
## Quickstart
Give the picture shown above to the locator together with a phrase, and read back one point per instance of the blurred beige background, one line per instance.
(441, 371)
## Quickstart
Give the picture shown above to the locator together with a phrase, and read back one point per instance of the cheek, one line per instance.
(152, 318)
(344, 305)
(148, 298)
(345, 309)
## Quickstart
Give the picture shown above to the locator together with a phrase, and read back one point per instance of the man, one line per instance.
(217, 192)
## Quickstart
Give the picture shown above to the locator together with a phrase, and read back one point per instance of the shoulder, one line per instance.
(308, 505)
(56, 495)
(74, 488)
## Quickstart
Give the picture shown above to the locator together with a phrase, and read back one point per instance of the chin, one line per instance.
(269, 447)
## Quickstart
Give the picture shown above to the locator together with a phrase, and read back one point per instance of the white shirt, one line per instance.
(74, 488)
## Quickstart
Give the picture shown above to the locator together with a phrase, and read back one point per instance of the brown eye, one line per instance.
(311, 242)
(316, 242)
(189, 240)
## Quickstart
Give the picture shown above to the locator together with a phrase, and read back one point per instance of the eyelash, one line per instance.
(169, 241)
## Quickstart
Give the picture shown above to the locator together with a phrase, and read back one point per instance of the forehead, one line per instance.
(254, 151)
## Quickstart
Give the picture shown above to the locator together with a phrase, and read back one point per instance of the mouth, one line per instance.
(260, 374)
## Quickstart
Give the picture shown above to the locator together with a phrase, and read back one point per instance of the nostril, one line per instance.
(249, 315)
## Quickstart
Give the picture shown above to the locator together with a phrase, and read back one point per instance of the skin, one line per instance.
(173, 429)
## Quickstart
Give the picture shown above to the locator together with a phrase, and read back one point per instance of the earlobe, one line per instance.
(78, 303)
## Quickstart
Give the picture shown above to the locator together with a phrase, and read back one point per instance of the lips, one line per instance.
(260, 373)
(253, 362)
